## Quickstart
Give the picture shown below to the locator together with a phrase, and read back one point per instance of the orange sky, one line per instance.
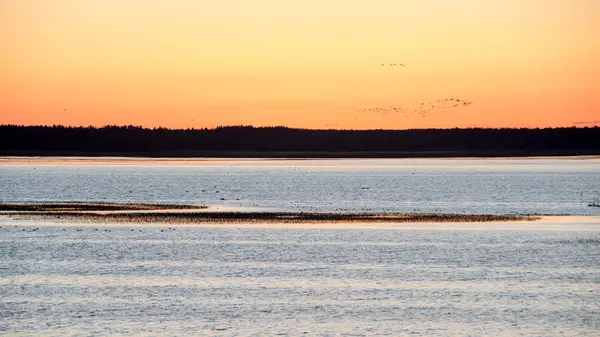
(309, 63)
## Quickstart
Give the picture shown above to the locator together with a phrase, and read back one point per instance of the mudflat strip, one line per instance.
(90, 206)
(110, 212)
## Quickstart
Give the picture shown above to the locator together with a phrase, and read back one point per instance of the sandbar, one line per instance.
(190, 214)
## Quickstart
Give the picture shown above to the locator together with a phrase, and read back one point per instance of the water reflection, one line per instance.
(267, 281)
(500, 186)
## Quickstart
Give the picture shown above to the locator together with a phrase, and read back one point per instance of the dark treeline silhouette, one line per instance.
(289, 142)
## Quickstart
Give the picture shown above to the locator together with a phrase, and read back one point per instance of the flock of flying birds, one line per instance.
(441, 106)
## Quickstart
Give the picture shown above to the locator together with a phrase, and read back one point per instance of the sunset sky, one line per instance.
(309, 63)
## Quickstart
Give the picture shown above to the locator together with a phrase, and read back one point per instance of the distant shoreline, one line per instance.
(306, 154)
(284, 142)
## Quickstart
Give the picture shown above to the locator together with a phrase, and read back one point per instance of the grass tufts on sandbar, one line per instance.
(146, 213)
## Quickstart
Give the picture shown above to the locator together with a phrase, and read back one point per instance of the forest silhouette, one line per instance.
(241, 141)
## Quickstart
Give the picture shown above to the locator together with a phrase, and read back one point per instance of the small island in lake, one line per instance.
(192, 214)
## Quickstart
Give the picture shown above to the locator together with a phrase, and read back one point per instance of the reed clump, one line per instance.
(87, 214)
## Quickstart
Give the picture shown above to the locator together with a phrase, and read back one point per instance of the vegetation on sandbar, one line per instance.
(145, 213)
(89, 206)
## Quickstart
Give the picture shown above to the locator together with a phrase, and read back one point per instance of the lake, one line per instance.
(444, 279)
(499, 186)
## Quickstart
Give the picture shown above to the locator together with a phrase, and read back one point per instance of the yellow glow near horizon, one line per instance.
(309, 63)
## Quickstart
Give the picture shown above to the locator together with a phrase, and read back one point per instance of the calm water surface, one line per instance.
(547, 186)
(68, 278)
(152, 280)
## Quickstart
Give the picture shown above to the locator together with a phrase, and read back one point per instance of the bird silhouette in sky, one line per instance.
(441, 107)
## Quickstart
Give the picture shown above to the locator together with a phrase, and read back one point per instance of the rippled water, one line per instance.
(541, 278)
(547, 186)
(152, 280)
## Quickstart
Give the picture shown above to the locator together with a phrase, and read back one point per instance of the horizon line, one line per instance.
(239, 126)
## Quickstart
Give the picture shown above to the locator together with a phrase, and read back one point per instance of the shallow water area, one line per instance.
(556, 185)
(547, 223)
(530, 278)
(63, 277)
